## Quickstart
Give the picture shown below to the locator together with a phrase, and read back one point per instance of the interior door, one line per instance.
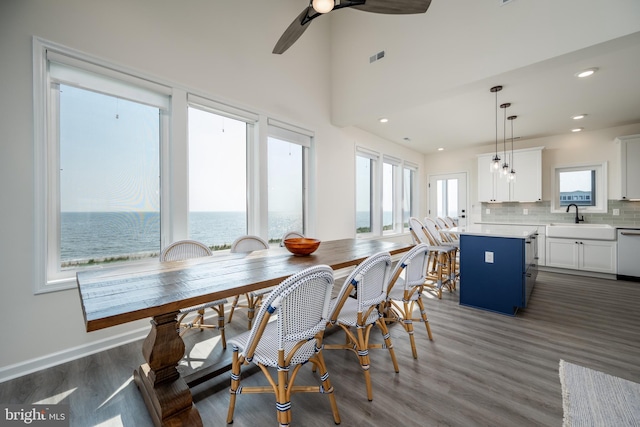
(448, 196)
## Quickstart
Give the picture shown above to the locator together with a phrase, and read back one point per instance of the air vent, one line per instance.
(376, 57)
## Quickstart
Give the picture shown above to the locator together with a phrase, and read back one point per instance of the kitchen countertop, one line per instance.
(518, 231)
(489, 223)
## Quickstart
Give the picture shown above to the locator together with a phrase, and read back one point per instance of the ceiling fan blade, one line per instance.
(295, 30)
(395, 7)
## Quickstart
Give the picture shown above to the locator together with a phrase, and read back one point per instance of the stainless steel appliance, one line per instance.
(629, 254)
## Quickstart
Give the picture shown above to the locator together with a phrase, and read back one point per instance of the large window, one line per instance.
(217, 178)
(126, 165)
(287, 168)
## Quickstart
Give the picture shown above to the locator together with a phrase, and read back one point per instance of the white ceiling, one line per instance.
(433, 83)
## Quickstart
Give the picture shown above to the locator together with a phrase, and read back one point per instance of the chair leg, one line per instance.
(235, 384)
(327, 388)
(407, 323)
(220, 311)
(362, 348)
(388, 343)
(234, 304)
(423, 314)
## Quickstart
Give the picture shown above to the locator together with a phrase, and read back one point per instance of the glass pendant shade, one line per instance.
(323, 6)
(512, 176)
(495, 164)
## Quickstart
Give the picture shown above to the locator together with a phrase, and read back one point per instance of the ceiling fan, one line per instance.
(321, 7)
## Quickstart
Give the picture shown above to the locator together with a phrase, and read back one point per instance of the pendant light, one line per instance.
(495, 162)
(512, 175)
(504, 171)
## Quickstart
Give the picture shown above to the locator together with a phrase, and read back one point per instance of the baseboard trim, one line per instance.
(67, 355)
(578, 272)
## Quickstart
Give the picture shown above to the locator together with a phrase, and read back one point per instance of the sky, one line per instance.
(110, 161)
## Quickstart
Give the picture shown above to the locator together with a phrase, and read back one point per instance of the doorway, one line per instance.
(448, 197)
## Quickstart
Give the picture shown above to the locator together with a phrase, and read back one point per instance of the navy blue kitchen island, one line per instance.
(497, 266)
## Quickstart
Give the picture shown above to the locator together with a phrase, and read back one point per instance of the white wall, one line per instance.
(220, 49)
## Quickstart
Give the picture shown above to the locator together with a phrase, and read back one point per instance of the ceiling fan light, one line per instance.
(323, 6)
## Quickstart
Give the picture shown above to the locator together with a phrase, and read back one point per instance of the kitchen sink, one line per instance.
(582, 231)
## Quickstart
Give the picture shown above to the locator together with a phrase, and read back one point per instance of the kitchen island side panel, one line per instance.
(495, 286)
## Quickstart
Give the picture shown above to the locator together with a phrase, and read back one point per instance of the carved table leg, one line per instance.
(165, 393)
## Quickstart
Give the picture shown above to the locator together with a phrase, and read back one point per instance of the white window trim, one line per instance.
(601, 187)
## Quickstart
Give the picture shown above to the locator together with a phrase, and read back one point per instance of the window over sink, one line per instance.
(582, 185)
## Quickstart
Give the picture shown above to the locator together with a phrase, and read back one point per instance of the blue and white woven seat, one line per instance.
(405, 291)
(369, 281)
(187, 249)
(283, 345)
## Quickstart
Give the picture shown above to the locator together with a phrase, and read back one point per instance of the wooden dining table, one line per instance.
(115, 295)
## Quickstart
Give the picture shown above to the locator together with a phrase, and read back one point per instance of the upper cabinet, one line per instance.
(629, 166)
(528, 184)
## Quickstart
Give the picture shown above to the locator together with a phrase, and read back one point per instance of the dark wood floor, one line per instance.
(482, 369)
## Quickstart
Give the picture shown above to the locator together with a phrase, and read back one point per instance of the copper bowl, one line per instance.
(301, 246)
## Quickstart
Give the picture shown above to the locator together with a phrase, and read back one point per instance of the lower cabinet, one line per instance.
(496, 273)
(587, 255)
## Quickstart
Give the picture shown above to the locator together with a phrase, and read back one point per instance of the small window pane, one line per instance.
(364, 180)
(578, 187)
(109, 178)
(407, 199)
(388, 196)
(217, 178)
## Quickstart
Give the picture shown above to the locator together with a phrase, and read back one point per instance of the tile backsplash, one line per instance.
(540, 213)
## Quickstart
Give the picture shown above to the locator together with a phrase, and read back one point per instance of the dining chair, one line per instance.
(444, 239)
(245, 244)
(405, 289)
(450, 221)
(369, 281)
(290, 235)
(187, 249)
(301, 304)
(439, 261)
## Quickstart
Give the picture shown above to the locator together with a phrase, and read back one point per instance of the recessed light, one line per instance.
(586, 73)
(440, 149)
(576, 130)
(579, 117)
(406, 138)
(384, 120)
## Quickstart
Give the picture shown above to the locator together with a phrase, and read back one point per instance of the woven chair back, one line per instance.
(249, 244)
(184, 249)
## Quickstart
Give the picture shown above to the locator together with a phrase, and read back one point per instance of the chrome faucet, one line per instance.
(577, 220)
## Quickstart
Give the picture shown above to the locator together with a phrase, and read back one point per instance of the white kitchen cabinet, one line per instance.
(629, 166)
(528, 185)
(491, 188)
(587, 255)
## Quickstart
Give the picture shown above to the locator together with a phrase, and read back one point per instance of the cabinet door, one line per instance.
(486, 187)
(630, 166)
(528, 184)
(598, 256)
(562, 253)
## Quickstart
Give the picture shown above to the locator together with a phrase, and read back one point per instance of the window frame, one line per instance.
(601, 186)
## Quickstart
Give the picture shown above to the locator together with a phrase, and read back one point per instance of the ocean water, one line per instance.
(111, 235)
(87, 237)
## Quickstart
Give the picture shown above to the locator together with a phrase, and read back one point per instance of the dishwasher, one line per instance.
(628, 250)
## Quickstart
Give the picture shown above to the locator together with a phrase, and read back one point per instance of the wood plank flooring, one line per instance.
(481, 369)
